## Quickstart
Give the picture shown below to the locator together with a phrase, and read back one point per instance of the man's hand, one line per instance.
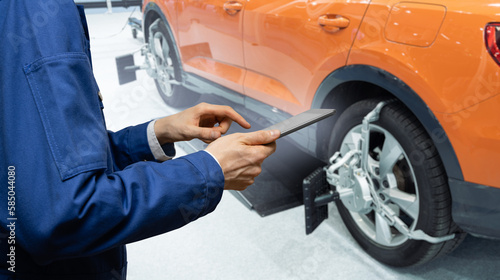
(240, 156)
(204, 121)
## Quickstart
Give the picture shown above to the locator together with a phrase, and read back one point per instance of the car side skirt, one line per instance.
(476, 208)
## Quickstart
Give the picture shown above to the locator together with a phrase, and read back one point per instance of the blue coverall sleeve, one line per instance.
(130, 145)
(95, 211)
(70, 200)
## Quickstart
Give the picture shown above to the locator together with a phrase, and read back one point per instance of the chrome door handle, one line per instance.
(232, 7)
(333, 23)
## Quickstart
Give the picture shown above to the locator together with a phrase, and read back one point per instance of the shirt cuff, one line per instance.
(212, 156)
(161, 153)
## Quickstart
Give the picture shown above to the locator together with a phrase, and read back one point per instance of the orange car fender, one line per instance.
(451, 70)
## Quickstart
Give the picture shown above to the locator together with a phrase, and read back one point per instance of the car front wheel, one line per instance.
(408, 178)
(166, 67)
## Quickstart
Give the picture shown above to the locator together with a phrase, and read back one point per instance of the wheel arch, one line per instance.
(151, 13)
(353, 83)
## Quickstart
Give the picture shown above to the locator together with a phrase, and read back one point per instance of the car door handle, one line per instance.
(232, 7)
(333, 23)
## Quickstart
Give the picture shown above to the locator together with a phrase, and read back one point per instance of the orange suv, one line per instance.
(415, 145)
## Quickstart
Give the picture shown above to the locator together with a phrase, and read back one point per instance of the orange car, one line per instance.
(416, 173)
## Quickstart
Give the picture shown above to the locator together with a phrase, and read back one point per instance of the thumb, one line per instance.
(208, 133)
(261, 137)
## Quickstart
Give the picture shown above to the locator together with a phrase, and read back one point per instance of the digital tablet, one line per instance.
(301, 120)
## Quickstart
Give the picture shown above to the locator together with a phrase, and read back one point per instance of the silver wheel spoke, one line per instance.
(383, 233)
(165, 50)
(406, 202)
(391, 152)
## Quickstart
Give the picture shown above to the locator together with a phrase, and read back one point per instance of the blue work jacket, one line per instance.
(72, 194)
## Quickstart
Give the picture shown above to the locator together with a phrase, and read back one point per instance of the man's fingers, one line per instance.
(269, 148)
(224, 125)
(261, 137)
(228, 112)
(223, 112)
(208, 133)
(240, 155)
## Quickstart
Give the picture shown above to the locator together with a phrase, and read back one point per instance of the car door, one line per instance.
(209, 35)
(291, 46)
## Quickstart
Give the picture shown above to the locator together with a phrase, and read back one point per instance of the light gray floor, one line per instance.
(234, 242)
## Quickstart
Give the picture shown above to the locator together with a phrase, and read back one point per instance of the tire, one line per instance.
(413, 171)
(167, 66)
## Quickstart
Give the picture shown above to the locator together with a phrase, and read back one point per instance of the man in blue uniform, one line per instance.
(73, 194)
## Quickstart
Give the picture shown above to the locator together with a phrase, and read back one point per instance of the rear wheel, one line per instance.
(408, 177)
(167, 68)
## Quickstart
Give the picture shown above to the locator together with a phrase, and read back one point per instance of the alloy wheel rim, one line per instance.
(394, 181)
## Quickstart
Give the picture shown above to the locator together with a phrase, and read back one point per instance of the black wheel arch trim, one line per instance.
(406, 95)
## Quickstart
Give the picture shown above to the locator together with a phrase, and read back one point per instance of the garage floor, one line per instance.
(234, 242)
